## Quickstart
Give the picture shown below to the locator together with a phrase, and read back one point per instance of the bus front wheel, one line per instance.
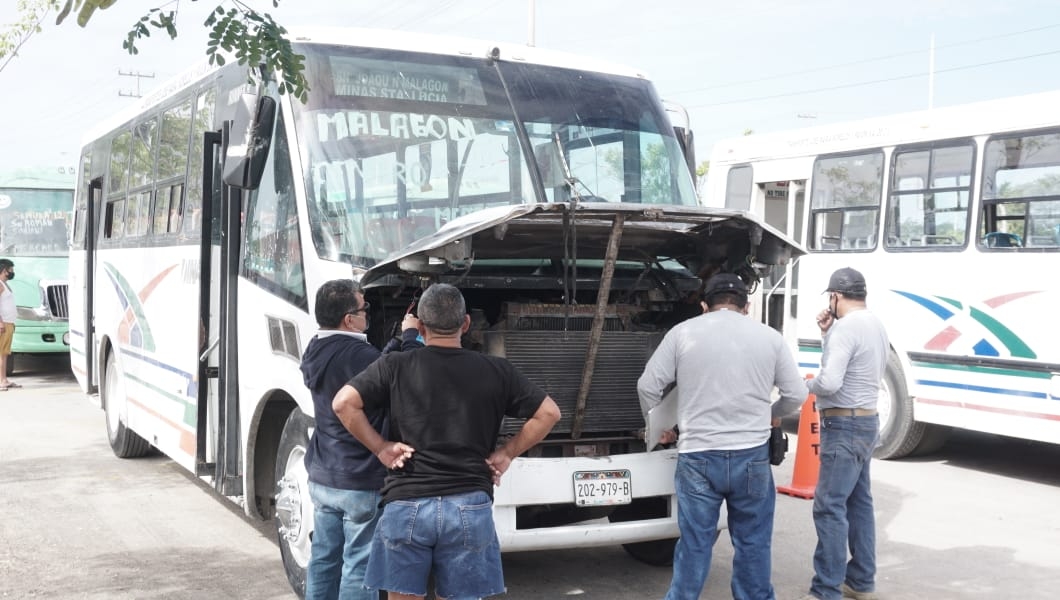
(900, 434)
(657, 553)
(294, 509)
(124, 442)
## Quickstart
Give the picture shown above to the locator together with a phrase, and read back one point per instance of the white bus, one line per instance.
(953, 215)
(550, 188)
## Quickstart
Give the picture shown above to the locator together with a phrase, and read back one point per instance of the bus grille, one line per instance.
(554, 360)
(58, 301)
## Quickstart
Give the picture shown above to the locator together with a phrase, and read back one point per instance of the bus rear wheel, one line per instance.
(900, 434)
(294, 509)
(124, 442)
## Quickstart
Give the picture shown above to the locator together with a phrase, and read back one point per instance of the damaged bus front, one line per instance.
(577, 296)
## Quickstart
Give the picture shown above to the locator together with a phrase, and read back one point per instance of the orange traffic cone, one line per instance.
(807, 459)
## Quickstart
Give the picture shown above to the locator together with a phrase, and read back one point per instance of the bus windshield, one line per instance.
(33, 222)
(395, 145)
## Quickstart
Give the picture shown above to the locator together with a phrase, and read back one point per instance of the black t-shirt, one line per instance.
(447, 403)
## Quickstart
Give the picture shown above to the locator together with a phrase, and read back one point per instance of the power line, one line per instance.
(475, 14)
(441, 7)
(138, 75)
(875, 81)
(863, 61)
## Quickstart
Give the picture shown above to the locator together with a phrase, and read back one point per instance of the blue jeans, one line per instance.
(742, 479)
(453, 535)
(842, 507)
(343, 524)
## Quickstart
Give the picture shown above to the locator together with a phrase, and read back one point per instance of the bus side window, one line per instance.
(132, 214)
(845, 201)
(114, 223)
(273, 246)
(202, 121)
(117, 183)
(172, 167)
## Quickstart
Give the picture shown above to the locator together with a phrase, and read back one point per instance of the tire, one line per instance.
(294, 509)
(657, 553)
(9, 366)
(124, 442)
(900, 434)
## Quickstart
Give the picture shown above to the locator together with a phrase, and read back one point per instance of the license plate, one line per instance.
(602, 488)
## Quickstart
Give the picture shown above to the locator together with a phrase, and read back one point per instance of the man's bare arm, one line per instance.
(349, 408)
(534, 430)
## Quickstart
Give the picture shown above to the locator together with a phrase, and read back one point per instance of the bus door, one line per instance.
(93, 207)
(233, 161)
(780, 203)
(217, 426)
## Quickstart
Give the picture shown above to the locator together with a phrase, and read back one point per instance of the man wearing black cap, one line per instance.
(725, 366)
(855, 351)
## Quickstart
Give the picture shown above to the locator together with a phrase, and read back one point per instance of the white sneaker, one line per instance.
(849, 592)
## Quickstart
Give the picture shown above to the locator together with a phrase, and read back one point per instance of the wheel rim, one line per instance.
(114, 393)
(885, 406)
(294, 509)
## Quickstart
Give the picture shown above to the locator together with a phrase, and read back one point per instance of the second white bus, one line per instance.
(953, 215)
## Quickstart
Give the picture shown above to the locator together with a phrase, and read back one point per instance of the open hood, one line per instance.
(693, 236)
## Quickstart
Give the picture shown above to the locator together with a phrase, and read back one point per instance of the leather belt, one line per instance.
(847, 412)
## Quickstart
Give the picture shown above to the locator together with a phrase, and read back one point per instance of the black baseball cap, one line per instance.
(725, 282)
(847, 281)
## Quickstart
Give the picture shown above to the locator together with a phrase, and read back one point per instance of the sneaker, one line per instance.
(849, 592)
(807, 597)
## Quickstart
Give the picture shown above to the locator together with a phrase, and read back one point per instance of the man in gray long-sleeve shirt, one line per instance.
(725, 366)
(854, 358)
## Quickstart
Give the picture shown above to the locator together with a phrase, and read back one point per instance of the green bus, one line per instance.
(35, 214)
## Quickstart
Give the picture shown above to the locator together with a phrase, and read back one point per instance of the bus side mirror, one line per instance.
(249, 140)
(688, 148)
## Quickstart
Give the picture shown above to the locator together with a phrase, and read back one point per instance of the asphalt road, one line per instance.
(978, 519)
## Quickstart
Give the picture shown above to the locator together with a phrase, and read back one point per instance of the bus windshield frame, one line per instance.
(396, 144)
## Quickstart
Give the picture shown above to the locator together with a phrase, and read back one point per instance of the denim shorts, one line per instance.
(453, 534)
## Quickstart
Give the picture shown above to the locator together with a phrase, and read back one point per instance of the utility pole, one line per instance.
(531, 25)
(931, 74)
(138, 75)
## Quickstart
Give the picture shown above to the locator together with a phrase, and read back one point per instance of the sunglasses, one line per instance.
(364, 308)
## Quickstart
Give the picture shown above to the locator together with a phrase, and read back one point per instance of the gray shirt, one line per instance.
(852, 364)
(725, 365)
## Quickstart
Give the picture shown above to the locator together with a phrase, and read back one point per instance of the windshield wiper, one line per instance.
(569, 178)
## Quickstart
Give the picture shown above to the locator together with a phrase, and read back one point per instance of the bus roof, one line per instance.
(39, 178)
(373, 38)
(456, 46)
(964, 120)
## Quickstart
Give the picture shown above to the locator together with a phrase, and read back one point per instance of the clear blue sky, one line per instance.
(762, 65)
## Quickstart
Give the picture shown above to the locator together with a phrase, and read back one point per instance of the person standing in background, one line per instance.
(8, 314)
(855, 352)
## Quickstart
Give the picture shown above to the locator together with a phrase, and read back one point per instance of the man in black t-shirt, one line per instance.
(446, 405)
